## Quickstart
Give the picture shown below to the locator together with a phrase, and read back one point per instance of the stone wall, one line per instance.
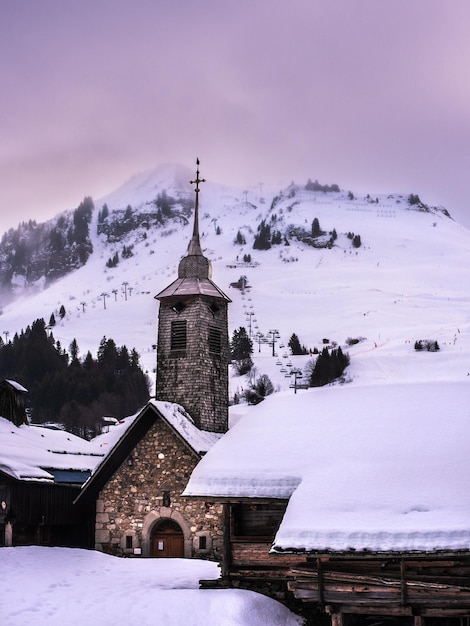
(131, 503)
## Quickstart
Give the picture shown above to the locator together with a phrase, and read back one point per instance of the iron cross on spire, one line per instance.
(194, 245)
(197, 179)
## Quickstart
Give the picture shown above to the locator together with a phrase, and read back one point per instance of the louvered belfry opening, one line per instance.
(178, 335)
(215, 340)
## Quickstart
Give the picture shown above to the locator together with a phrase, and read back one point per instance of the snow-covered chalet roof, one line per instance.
(29, 452)
(16, 385)
(381, 467)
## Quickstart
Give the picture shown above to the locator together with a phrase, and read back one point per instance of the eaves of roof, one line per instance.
(183, 287)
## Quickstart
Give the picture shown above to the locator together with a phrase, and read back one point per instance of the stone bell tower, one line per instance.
(193, 344)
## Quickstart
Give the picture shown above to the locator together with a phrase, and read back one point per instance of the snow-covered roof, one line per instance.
(200, 440)
(29, 452)
(33, 452)
(104, 443)
(379, 467)
(16, 385)
(121, 438)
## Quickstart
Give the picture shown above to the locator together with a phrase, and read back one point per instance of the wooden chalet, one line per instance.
(41, 473)
(250, 527)
(43, 513)
(425, 587)
(12, 401)
(404, 584)
(354, 518)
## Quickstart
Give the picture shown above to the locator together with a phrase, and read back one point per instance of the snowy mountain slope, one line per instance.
(407, 281)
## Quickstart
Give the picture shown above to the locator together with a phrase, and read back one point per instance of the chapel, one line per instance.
(137, 488)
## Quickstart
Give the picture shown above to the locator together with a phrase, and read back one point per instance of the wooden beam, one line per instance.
(352, 609)
(335, 615)
(226, 546)
(403, 583)
(320, 581)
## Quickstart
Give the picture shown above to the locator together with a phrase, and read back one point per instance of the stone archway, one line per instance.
(167, 540)
(151, 522)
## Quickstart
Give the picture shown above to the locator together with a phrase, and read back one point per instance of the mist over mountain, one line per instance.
(33, 255)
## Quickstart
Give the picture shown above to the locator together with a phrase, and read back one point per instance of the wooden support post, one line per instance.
(337, 619)
(403, 583)
(321, 594)
(8, 534)
(226, 548)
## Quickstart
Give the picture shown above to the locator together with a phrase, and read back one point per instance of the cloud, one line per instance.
(360, 93)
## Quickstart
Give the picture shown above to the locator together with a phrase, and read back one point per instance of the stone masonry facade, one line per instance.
(131, 504)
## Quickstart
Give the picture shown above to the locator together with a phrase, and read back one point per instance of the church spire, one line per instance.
(195, 264)
(194, 247)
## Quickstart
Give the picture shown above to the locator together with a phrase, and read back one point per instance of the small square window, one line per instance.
(129, 542)
(203, 542)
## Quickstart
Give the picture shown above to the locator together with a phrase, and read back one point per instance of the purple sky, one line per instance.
(372, 95)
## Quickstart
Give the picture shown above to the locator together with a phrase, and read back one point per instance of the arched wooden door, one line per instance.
(167, 540)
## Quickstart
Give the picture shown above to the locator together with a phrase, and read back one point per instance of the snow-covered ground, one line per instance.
(71, 587)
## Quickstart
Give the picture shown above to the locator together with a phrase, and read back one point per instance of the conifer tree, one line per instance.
(241, 345)
(263, 238)
(356, 242)
(240, 239)
(328, 367)
(74, 352)
(294, 345)
(316, 230)
(75, 395)
(241, 349)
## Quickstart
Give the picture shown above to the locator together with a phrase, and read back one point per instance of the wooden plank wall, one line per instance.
(406, 586)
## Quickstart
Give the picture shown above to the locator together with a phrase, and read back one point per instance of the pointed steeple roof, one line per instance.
(194, 269)
(195, 264)
(194, 247)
